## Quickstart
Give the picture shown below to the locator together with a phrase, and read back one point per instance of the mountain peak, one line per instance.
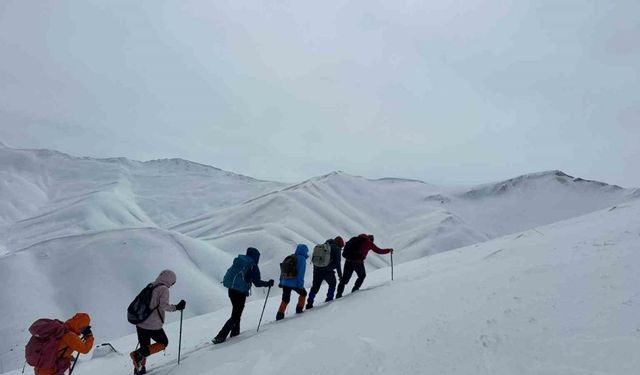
(552, 176)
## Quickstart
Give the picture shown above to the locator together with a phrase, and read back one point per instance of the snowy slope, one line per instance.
(100, 273)
(558, 299)
(417, 218)
(111, 193)
(83, 233)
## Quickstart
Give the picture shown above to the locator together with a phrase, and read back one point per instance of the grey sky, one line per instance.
(445, 91)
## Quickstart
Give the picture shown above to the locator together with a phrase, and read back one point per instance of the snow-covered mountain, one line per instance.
(557, 299)
(87, 234)
(417, 218)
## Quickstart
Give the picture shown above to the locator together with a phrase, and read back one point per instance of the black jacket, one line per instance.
(336, 258)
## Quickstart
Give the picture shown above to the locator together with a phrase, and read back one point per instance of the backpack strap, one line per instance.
(157, 308)
(159, 315)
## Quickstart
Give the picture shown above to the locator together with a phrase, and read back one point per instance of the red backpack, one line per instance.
(42, 349)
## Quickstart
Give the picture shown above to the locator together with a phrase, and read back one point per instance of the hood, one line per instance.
(339, 241)
(303, 250)
(254, 254)
(368, 237)
(78, 322)
(167, 278)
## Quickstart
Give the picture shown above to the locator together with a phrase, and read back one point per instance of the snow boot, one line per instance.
(300, 304)
(218, 340)
(281, 310)
(137, 359)
(330, 293)
(310, 300)
(143, 370)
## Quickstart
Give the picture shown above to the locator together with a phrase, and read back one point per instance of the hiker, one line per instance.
(151, 327)
(355, 252)
(292, 278)
(52, 345)
(325, 259)
(243, 272)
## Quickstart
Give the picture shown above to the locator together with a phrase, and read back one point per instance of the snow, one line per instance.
(87, 234)
(418, 218)
(557, 299)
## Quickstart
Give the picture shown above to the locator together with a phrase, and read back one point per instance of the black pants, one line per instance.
(349, 268)
(232, 325)
(320, 275)
(286, 293)
(145, 336)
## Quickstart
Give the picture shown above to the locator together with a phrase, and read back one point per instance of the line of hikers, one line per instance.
(53, 342)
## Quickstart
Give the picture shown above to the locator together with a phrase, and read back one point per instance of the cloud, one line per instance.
(444, 91)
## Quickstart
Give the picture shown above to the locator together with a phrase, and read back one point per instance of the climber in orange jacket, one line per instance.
(71, 342)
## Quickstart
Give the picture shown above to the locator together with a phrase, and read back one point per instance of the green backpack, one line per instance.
(321, 256)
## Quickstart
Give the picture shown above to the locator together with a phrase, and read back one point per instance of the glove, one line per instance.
(270, 283)
(86, 331)
(391, 250)
(181, 305)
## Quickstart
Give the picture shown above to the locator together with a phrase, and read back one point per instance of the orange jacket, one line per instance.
(71, 341)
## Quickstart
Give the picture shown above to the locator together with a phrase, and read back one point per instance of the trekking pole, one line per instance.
(263, 307)
(391, 265)
(180, 338)
(74, 364)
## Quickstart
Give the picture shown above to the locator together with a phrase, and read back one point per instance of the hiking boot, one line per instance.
(328, 300)
(299, 310)
(218, 340)
(279, 315)
(143, 370)
(137, 359)
(309, 305)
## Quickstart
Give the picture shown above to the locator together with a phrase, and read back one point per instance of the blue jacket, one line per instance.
(302, 253)
(246, 265)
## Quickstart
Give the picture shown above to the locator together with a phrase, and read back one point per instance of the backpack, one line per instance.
(42, 349)
(321, 256)
(235, 277)
(289, 267)
(352, 248)
(139, 309)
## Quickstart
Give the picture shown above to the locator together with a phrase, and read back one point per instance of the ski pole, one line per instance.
(74, 364)
(263, 307)
(180, 338)
(391, 265)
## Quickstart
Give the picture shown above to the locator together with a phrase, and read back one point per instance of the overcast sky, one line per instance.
(450, 92)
